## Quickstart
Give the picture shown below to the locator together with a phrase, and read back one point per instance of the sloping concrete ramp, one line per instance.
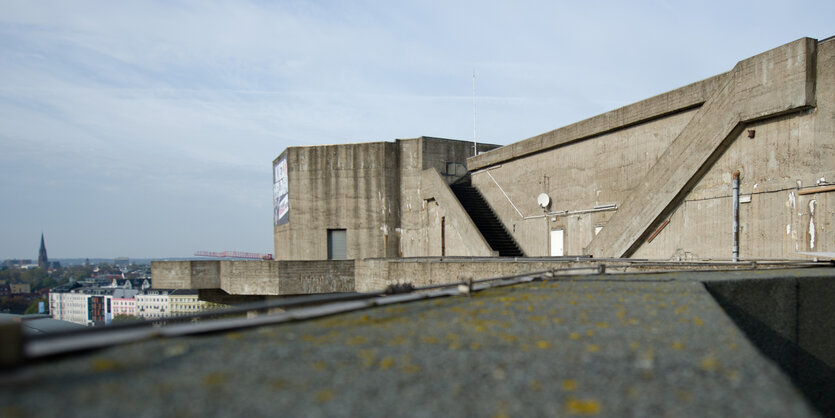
(771, 84)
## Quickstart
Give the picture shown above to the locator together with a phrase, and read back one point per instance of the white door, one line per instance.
(557, 248)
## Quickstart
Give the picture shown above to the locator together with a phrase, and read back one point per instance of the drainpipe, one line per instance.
(443, 236)
(736, 216)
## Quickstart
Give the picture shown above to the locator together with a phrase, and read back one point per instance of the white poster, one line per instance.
(281, 204)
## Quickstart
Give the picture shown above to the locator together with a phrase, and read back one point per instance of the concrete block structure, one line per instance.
(372, 195)
(651, 180)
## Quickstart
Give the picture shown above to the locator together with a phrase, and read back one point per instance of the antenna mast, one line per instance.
(475, 142)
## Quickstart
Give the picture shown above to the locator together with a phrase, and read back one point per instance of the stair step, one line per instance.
(486, 220)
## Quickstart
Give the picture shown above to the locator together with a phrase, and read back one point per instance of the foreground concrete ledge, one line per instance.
(641, 344)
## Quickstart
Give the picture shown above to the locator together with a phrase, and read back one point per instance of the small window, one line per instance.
(337, 244)
(450, 168)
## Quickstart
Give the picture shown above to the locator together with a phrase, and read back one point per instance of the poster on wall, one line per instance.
(281, 204)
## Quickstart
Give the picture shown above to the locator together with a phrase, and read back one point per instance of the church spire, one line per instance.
(42, 258)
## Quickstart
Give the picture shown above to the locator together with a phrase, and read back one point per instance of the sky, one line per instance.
(147, 129)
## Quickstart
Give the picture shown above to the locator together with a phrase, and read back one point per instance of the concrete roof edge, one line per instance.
(283, 153)
(674, 101)
(454, 140)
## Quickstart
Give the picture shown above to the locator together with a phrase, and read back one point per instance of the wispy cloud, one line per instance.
(148, 128)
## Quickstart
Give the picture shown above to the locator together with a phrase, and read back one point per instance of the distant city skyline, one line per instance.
(147, 130)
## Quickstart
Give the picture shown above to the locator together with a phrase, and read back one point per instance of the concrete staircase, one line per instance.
(485, 219)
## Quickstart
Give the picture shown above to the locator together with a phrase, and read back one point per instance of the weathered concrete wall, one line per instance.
(788, 315)
(191, 274)
(374, 275)
(683, 98)
(418, 231)
(301, 278)
(787, 155)
(255, 277)
(413, 235)
(597, 171)
(670, 157)
(354, 187)
(371, 190)
(449, 157)
(767, 85)
(449, 229)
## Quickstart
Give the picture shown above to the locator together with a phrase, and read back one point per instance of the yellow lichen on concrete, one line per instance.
(398, 341)
(279, 384)
(386, 363)
(684, 395)
(709, 363)
(367, 357)
(325, 395)
(105, 365)
(406, 365)
(429, 339)
(234, 336)
(214, 379)
(576, 406)
(358, 340)
(569, 385)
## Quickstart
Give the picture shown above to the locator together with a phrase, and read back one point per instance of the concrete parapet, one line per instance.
(787, 314)
(371, 274)
(374, 275)
(188, 274)
(678, 100)
(766, 309)
(255, 277)
(306, 277)
(815, 367)
(252, 277)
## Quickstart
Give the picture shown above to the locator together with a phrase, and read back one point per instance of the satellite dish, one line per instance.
(543, 200)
